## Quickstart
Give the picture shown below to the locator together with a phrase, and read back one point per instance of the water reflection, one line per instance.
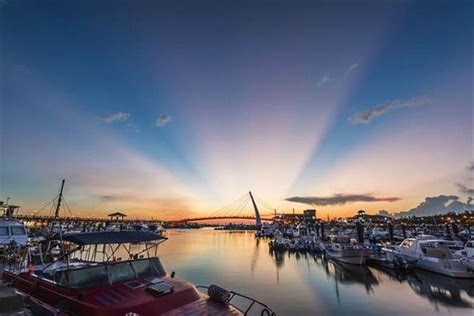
(303, 283)
(440, 289)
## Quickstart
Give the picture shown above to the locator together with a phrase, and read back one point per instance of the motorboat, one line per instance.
(378, 234)
(12, 231)
(340, 248)
(467, 251)
(380, 257)
(105, 273)
(265, 231)
(433, 254)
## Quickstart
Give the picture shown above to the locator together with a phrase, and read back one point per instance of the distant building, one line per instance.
(308, 216)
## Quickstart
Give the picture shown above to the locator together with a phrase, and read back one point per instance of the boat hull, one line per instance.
(355, 257)
(450, 267)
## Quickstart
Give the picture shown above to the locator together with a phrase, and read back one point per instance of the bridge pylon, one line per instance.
(258, 220)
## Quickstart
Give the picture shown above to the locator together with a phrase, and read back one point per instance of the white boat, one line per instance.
(433, 254)
(379, 234)
(265, 231)
(341, 249)
(11, 230)
(468, 250)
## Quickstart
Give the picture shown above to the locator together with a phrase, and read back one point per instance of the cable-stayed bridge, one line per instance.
(238, 209)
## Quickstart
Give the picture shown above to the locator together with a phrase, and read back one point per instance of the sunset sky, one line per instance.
(175, 109)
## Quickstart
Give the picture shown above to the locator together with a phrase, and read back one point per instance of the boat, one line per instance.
(341, 249)
(265, 231)
(468, 250)
(433, 254)
(101, 273)
(378, 234)
(12, 231)
(380, 257)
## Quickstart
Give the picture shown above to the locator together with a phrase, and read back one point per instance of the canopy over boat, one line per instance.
(108, 237)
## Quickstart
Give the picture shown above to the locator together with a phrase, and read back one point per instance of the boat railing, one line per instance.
(254, 307)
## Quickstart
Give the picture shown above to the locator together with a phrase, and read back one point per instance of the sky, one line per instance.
(176, 109)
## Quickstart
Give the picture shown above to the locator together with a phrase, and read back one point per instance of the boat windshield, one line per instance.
(3, 231)
(109, 273)
(340, 239)
(18, 230)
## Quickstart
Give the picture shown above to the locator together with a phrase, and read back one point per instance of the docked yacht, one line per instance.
(340, 248)
(433, 254)
(12, 231)
(100, 273)
(468, 250)
(265, 231)
(378, 234)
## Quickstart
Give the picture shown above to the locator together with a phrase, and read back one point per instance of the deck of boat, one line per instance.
(204, 306)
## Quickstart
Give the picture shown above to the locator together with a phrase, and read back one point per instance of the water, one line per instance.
(307, 285)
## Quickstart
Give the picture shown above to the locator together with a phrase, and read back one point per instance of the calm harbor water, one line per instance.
(305, 284)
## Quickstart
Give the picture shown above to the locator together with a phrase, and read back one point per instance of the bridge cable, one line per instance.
(229, 206)
(239, 209)
(264, 203)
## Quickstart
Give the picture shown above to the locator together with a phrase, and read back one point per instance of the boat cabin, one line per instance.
(12, 231)
(339, 239)
(437, 248)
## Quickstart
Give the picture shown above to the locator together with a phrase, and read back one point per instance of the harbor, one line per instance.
(359, 258)
(308, 282)
(236, 158)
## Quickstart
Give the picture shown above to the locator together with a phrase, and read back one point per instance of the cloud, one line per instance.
(109, 198)
(385, 213)
(133, 127)
(463, 189)
(339, 199)
(323, 81)
(365, 117)
(163, 120)
(115, 117)
(470, 167)
(439, 205)
(350, 69)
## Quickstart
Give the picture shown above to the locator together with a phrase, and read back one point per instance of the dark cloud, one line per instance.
(470, 167)
(339, 199)
(439, 205)
(108, 198)
(463, 189)
(365, 117)
(385, 213)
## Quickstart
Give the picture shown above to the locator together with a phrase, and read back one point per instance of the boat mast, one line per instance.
(257, 214)
(58, 206)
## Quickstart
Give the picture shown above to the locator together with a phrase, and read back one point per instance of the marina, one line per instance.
(236, 158)
(75, 267)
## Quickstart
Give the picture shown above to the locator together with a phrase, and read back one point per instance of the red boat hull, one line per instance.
(118, 299)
